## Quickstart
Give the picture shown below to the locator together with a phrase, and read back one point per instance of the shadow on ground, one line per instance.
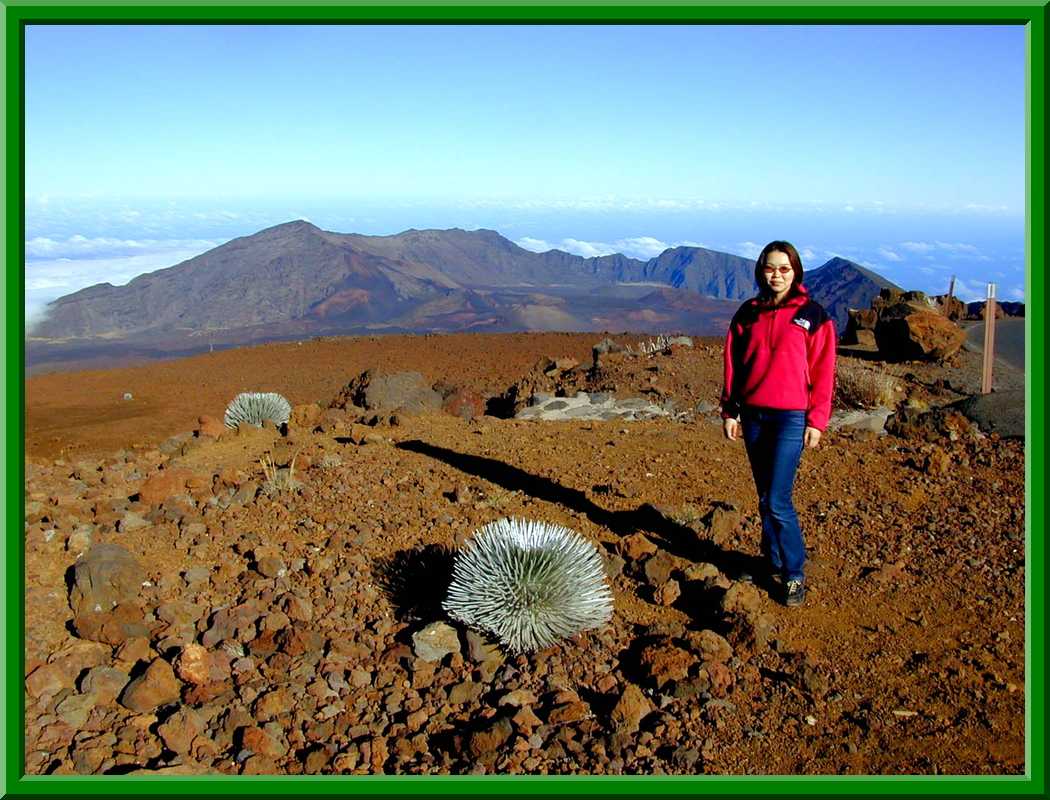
(415, 581)
(673, 537)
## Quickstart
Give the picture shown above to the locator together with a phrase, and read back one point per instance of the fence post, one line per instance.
(989, 340)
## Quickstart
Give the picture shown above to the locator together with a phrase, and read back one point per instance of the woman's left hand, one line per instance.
(811, 438)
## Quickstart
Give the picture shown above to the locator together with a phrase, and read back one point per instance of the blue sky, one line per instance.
(901, 147)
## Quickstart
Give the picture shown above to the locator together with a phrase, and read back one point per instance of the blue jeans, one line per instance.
(773, 439)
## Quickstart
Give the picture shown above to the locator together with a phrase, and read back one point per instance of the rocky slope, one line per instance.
(291, 622)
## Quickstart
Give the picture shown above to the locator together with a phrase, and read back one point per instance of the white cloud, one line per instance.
(77, 246)
(1016, 293)
(748, 249)
(586, 249)
(970, 291)
(640, 247)
(848, 209)
(955, 250)
(889, 255)
(807, 253)
(956, 247)
(535, 245)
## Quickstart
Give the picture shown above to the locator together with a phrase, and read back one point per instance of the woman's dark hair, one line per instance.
(787, 249)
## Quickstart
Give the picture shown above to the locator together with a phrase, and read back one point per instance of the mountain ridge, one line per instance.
(298, 276)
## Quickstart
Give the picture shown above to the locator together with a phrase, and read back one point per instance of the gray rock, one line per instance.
(103, 577)
(131, 521)
(436, 641)
(580, 412)
(998, 412)
(74, 709)
(860, 420)
(196, 575)
(81, 539)
(404, 391)
(105, 683)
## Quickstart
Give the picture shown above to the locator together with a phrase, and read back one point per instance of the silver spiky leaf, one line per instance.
(529, 583)
(256, 407)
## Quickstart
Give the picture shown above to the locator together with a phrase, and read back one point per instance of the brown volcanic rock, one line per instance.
(904, 333)
(666, 662)
(163, 484)
(210, 426)
(630, 709)
(952, 307)
(861, 321)
(114, 626)
(464, 403)
(157, 686)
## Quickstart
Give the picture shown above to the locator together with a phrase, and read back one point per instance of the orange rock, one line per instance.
(210, 426)
(636, 546)
(631, 708)
(163, 484)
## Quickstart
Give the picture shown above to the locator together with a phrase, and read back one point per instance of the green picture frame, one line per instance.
(18, 13)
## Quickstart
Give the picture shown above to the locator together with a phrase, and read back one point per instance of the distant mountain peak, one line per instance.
(291, 225)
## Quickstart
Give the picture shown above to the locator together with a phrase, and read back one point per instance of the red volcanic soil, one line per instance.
(84, 412)
(300, 594)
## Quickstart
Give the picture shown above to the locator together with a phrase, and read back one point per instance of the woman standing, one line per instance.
(779, 376)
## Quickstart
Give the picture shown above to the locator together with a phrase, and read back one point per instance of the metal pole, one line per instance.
(989, 340)
(951, 288)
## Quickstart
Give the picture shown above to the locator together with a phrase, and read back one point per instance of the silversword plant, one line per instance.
(256, 407)
(529, 583)
(651, 347)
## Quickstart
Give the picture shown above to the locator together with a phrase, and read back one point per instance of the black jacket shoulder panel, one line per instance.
(746, 314)
(811, 316)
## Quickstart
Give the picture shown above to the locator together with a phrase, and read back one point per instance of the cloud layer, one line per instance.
(77, 246)
(640, 247)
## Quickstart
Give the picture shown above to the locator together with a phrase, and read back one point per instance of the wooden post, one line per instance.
(951, 290)
(989, 340)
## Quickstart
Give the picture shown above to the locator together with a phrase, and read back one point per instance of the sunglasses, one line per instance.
(781, 270)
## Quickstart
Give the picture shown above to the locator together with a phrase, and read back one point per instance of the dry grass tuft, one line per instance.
(861, 386)
(278, 479)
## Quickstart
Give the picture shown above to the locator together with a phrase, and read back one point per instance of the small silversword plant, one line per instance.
(651, 347)
(256, 407)
(529, 583)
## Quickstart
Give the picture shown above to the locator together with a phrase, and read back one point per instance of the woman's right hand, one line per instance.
(731, 428)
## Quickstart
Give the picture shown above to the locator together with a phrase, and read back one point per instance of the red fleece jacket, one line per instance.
(773, 360)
